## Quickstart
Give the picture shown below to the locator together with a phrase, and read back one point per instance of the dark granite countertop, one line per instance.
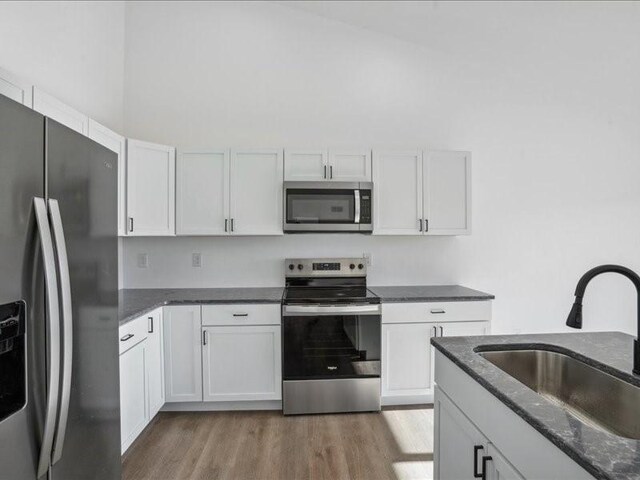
(134, 302)
(429, 293)
(602, 454)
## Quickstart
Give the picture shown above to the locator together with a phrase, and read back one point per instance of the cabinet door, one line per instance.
(16, 88)
(397, 196)
(116, 143)
(150, 189)
(499, 467)
(182, 353)
(242, 363)
(58, 111)
(155, 369)
(406, 359)
(447, 193)
(456, 439)
(305, 165)
(133, 394)
(202, 193)
(350, 165)
(256, 192)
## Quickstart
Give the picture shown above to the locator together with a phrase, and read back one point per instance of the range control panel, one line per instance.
(325, 267)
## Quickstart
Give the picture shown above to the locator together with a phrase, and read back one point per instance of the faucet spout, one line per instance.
(574, 320)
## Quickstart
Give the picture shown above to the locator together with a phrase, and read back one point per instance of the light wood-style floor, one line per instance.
(395, 444)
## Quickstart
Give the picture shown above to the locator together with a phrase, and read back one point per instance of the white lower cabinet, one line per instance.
(133, 394)
(182, 353)
(141, 374)
(407, 354)
(406, 361)
(155, 355)
(241, 363)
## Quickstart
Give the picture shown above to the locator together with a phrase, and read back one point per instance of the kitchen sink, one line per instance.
(594, 397)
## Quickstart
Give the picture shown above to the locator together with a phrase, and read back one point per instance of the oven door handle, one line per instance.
(319, 310)
(356, 194)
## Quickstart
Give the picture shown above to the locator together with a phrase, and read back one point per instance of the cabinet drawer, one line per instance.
(458, 311)
(435, 312)
(132, 333)
(241, 314)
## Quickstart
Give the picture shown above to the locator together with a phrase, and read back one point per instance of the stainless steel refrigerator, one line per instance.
(59, 387)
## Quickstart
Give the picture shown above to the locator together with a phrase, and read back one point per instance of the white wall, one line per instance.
(550, 110)
(72, 50)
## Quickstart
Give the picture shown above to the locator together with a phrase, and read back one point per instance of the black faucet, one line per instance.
(574, 320)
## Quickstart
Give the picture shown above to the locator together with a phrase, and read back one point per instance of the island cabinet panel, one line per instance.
(182, 353)
(499, 467)
(459, 446)
(467, 415)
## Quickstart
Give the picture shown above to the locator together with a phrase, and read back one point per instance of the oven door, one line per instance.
(326, 207)
(331, 342)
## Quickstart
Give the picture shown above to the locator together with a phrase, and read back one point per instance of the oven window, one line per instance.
(320, 206)
(340, 346)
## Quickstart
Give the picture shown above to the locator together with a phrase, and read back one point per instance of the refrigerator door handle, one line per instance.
(67, 327)
(53, 326)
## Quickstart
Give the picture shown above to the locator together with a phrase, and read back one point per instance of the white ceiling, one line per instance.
(455, 25)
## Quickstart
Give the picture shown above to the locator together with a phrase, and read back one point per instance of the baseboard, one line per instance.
(406, 400)
(222, 406)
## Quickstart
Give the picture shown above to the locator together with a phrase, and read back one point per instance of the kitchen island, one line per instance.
(490, 423)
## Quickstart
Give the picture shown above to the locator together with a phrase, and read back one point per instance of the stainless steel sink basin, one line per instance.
(591, 395)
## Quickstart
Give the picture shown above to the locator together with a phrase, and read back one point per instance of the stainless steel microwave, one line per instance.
(328, 207)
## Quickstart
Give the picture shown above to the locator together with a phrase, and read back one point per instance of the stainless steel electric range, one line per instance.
(331, 337)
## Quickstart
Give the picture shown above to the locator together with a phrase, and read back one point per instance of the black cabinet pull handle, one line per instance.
(240, 314)
(127, 337)
(476, 473)
(150, 324)
(485, 459)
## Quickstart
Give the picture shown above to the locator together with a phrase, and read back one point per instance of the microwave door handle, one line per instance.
(356, 194)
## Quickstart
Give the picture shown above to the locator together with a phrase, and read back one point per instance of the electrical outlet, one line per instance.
(196, 260)
(143, 260)
(367, 259)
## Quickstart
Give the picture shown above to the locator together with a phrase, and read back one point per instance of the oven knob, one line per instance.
(291, 266)
(299, 266)
(352, 266)
(360, 266)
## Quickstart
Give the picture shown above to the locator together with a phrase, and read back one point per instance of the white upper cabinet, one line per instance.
(116, 143)
(202, 192)
(419, 193)
(333, 165)
(58, 111)
(447, 192)
(305, 165)
(397, 195)
(16, 88)
(256, 192)
(350, 165)
(150, 189)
